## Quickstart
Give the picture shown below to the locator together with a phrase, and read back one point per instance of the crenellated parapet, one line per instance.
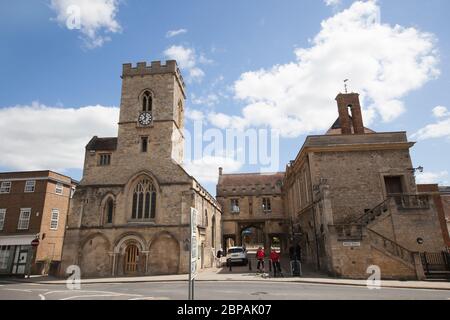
(155, 67)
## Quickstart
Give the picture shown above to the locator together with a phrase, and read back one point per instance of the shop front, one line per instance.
(16, 254)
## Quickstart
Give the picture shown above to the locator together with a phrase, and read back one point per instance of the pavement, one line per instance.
(242, 274)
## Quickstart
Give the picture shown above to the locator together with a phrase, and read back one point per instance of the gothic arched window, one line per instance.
(147, 101)
(109, 211)
(144, 200)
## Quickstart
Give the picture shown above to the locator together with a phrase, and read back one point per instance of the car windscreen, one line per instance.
(235, 250)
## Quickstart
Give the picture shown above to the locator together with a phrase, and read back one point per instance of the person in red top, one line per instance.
(275, 259)
(260, 257)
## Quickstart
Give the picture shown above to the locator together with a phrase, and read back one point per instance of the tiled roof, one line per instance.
(102, 144)
(250, 179)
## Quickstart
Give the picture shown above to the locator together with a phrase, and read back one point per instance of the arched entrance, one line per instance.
(131, 259)
(252, 236)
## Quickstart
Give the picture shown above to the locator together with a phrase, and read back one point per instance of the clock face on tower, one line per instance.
(145, 118)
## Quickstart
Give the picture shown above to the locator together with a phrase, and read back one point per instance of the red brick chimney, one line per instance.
(346, 101)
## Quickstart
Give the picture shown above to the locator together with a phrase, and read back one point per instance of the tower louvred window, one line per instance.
(144, 200)
(147, 102)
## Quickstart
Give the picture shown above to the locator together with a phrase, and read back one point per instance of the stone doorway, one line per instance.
(131, 259)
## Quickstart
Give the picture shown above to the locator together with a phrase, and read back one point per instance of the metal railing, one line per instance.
(391, 246)
(371, 215)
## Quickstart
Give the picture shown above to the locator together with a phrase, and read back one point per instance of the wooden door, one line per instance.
(131, 259)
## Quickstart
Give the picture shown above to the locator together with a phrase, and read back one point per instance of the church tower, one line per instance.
(151, 119)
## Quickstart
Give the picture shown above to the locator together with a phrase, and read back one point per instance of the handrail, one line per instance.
(398, 249)
(369, 215)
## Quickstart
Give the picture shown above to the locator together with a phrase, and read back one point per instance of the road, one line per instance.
(220, 290)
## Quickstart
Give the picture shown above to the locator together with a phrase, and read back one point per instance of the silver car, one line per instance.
(237, 255)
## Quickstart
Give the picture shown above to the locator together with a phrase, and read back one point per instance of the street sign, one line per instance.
(193, 252)
(35, 243)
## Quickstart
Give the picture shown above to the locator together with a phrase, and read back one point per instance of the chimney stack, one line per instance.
(346, 101)
(220, 171)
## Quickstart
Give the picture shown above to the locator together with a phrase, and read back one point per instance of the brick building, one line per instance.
(445, 197)
(253, 213)
(33, 205)
(130, 214)
(353, 200)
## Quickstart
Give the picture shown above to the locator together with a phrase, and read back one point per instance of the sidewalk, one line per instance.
(222, 274)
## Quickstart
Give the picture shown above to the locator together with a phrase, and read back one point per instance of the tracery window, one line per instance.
(144, 200)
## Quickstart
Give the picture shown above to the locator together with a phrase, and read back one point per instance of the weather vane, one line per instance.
(345, 85)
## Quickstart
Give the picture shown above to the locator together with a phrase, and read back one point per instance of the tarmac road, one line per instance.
(214, 290)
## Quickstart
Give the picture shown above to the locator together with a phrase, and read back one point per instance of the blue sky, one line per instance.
(248, 64)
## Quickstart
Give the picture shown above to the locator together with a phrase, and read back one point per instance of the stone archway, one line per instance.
(252, 235)
(130, 256)
(164, 254)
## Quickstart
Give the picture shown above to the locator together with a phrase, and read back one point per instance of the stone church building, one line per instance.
(130, 214)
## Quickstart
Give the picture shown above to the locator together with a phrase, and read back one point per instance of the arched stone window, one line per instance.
(147, 101)
(144, 200)
(109, 211)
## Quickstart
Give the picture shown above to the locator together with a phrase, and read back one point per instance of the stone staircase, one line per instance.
(380, 242)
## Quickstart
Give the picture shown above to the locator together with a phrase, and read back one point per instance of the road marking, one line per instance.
(151, 298)
(21, 290)
(92, 295)
(42, 297)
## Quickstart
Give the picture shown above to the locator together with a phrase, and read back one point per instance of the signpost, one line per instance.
(34, 244)
(193, 256)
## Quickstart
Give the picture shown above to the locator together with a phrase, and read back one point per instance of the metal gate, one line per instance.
(436, 264)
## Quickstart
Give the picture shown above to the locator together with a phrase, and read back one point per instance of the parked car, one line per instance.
(237, 255)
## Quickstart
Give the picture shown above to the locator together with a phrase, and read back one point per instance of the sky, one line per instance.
(267, 68)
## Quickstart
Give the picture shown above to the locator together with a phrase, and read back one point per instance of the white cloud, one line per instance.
(208, 100)
(332, 2)
(194, 115)
(173, 33)
(441, 177)
(440, 129)
(94, 18)
(206, 169)
(440, 112)
(40, 137)
(383, 62)
(188, 59)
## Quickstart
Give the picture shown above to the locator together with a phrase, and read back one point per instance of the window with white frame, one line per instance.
(5, 187)
(30, 185)
(24, 219)
(54, 219)
(2, 218)
(59, 188)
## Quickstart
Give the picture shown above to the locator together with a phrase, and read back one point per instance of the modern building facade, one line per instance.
(130, 214)
(33, 205)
